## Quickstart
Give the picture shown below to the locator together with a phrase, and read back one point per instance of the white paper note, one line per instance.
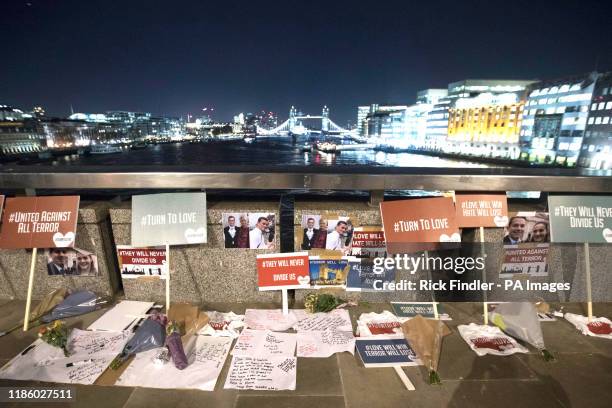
(324, 343)
(337, 319)
(265, 373)
(206, 359)
(264, 343)
(269, 319)
(121, 315)
(90, 354)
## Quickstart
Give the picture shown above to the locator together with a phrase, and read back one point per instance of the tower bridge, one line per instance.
(295, 125)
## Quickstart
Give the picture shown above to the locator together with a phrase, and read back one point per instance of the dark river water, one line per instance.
(268, 151)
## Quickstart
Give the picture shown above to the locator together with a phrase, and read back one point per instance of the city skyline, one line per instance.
(244, 58)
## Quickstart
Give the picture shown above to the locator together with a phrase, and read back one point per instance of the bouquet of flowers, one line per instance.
(520, 320)
(56, 334)
(425, 337)
(149, 335)
(323, 302)
(175, 345)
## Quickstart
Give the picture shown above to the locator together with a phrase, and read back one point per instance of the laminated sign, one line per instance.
(580, 219)
(423, 220)
(481, 210)
(39, 222)
(169, 218)
(283, 271)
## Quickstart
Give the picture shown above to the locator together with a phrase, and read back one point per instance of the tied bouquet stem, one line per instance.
(55, 334)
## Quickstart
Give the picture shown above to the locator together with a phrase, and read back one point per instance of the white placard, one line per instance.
(324, 343)
(265, 373)
(264, 343)
(206, 359)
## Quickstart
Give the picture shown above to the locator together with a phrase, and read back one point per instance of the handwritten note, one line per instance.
(262, 373)
(337, 319)
(206, 358)
(269, 319)
(91, 351)
(324, 343)
(264, 343)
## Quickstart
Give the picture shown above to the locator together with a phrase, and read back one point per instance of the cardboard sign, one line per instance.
(580, 219)
(481, 210)
(170, 218)
(283, 271)
(424, 220)
(526, 259)
(369, 242)
(139, 262)
(39, 222)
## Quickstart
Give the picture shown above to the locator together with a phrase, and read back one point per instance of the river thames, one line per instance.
(268, 151)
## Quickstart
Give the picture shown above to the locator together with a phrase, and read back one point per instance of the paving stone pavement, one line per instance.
(581, 376)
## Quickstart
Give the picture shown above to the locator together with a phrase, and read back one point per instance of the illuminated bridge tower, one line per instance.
(292, 118)
(325, 119)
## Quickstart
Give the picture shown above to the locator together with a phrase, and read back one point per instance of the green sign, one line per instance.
(169, 218)
(580, 219)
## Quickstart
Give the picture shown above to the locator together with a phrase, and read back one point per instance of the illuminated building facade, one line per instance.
(438, 118)
(487, 125)
(555, 119)
(362, 114)
(596, 151)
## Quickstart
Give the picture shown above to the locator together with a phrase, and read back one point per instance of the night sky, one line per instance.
(176, 57)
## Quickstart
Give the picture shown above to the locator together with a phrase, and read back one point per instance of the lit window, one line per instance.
(601, 105)
(598, 121)
(591, 120)
(535, 92)
(605, 91)
(591, 148)
(575, 87)
(605, 120)
(553, 90)
(609, 105)
(564, 88)
(561, 109)
(544, 91)
(594, 107)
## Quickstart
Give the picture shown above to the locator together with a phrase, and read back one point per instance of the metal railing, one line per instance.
(305, 177)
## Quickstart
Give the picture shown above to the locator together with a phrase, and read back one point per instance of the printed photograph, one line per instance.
(71, 261)
(328, 272)
(526, 245)
(248, 230)
(236, 230)
(312, 233)
(262, 230)
(339, 235)
(527, 227)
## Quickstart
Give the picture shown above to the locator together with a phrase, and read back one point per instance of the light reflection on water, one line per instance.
(271, 151)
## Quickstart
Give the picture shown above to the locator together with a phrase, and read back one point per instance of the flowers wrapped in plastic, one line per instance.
(75, 304)
(425, 337)
(520, 320)
(46, 304)
(175, 346)
(55, 334)
(149, 335)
